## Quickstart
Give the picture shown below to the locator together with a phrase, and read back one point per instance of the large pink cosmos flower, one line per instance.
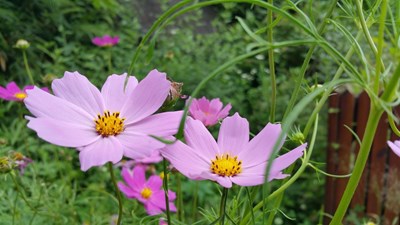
(395, 146)
(148, 192)
(105, 41)
(13, 93)
(208, 112)
(106, 125)
(233, 159)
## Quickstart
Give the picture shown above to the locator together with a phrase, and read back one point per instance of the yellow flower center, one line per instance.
(146, 193)
(109, 124)
(20, 95)
(226, 165)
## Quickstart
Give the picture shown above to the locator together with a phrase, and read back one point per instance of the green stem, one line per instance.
(117, 192)
(306, 61)
(19, 191)
(271, 63)
(222, 207)
(179, 197)
(165, 186)
(110, 61)
(195, 196)
(28, 70)
(373, 120)
(378, 66)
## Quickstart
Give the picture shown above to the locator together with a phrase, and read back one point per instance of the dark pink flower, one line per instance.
(208, 112)
(149, 192)
(13, 93)
(234, 158)
(104, 125)
(105, 41)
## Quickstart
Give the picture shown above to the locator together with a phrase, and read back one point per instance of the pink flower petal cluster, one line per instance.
(208, 112)
(105, 41)
(234, 158)
(149, 192)
(13, 93)
(395, 146)
(104, 125)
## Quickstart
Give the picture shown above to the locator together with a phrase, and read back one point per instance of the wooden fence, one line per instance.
(378, 194)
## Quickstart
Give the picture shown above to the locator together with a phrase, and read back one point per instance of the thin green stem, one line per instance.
(110, 60)
(366, 31)
(17, 186)
(165, 186)
(306, 61)
(195, 196)
(271, 63)
(117, 192)
(378, 66)
(179, 197)
(27, 68)
(222, 206)
(373, 120)
(15, 208)
(393, 126)
(292, 179)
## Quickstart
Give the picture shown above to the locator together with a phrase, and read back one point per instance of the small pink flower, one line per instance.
(149, 192)
(162, 222)
(234, 158)
(208, 112)
(104, 125)
(395, 146)
(105, 41)
(13, 93)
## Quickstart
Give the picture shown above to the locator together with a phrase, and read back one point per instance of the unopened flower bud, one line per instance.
(173, 96)
(6, 164)
(22, 44)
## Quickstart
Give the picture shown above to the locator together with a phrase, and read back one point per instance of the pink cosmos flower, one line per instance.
(104, 125)
(105, 41)
(149, 192)
(208, 112)
(395, 146)
(162, 222)
(233, 159)
(13, 93)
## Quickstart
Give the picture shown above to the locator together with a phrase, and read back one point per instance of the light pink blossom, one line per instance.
(149, 192)
(104, 125)
(233, 159)
(208, 112)
(13, 93)
(105, 41)
(395, 146)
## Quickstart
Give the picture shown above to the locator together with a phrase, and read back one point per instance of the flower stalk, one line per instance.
(117, 193)
(27, 68)
(222, 207)
(165, 186)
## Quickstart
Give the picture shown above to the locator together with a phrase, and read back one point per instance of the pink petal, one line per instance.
(215, 106)
(161, 124)
(131, 85)
(147, 97)
(43, 104)
(62, 133)
(199, 138)
(224, 112)
(155, 157)
(13, 88)
(29, 87)
(233, 135)
(113, 92)
(243, 180)
(158, 199)
(283, 161)
(152, 209)
(186, 160)
(223, 181)
(78, 90)
(137, 179)
(260, 147)
(155, 182)
(138, 146)
(100, 152)
(395, 147)
(126, 190)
